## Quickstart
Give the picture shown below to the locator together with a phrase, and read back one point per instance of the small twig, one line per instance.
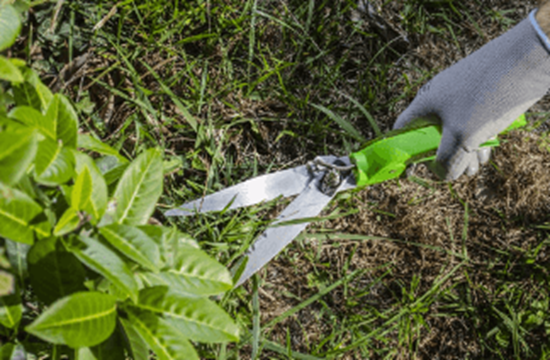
(159, 65)
(56, 15)
(106, 18)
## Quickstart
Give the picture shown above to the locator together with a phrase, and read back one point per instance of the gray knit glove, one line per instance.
(482, 94)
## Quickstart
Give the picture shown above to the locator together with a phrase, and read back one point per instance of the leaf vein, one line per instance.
(11, 217)
(80, 320)
(177, 316)
(155, 338)
(134, 194)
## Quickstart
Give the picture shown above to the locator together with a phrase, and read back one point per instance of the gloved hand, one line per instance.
(482, 94)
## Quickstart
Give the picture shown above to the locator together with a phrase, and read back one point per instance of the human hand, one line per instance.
(482, 94)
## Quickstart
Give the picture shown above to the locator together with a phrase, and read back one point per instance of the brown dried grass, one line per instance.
(504, 203)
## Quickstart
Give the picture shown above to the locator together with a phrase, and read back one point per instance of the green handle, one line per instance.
(386, 158)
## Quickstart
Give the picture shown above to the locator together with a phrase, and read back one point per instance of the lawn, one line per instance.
(410, 269)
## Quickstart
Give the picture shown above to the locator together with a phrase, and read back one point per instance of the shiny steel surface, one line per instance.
(267, 187)
(296, 181)
(307, 205)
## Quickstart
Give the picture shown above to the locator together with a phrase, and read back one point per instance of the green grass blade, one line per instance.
(369, 117)
(193, 122)
(312, 299)
(344, 124)
(256, 333)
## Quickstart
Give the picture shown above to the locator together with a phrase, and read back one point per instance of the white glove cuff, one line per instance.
(542, 35)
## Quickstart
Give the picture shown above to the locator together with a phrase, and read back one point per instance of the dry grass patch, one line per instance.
(487, 224)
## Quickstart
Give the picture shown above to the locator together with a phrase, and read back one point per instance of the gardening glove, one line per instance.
(482, 94)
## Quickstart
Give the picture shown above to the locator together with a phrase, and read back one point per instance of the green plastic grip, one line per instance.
(387, 157)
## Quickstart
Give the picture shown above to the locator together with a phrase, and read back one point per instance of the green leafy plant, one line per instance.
(85, 274)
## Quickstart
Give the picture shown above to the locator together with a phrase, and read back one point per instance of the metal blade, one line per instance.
(267, 187)
(308, 204)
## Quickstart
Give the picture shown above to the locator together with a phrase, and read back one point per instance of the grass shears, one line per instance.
(316, 184)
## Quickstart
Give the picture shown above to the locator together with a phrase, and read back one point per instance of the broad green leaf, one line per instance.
(17, 256)
(112, 170)
(13, 139)
(165, 341)
(16, 154)
(198, 319)
(54, 164)
(18, 213)
(181, 240)
(139, 188)
(9, 72)
(34, 118)
(169, 237)
(105, 262)
(19, 5)
(170, 240)
(195, 274)
(4, 262)
(109, 162)
(44, 94)
(48, 150)
(114, 174)
(114, 290)
(30, 75)
(62, 113)
(20, 63)
(54, 273)
(11, 351)
(11, 310)
(98, 200)
(91, 143)
(7, 283)
(67, 223)
(137, 347)
(133, 243)
(10, 26)
(79, 320)
(110, 349)
(82, 190)
(25, 94)
(27, 186)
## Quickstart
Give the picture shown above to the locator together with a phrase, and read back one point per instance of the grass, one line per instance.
(234, 89)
